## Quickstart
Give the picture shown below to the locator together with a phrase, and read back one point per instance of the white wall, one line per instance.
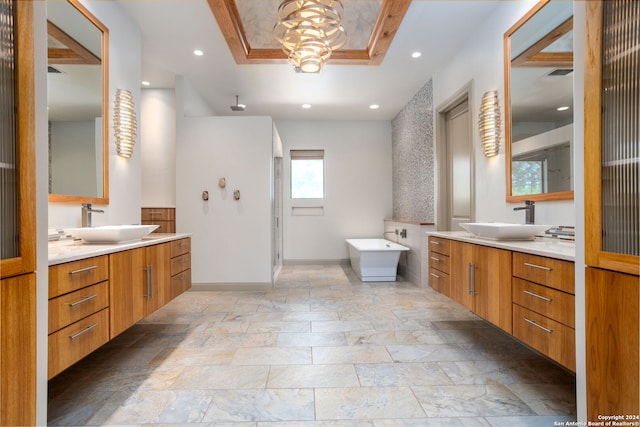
(231, 240)
(480, 61)
(125, 44)
(579, 36)
(42, 192)
(158, 147)
(357, 186)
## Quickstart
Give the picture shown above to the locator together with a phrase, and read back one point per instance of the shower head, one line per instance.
(238, 107)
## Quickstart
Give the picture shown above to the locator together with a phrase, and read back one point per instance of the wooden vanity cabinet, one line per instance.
(612, 208)
(78, 311)
(481, 281)
(180, 267)
(544, 306)
(18, 352)
(440, 265)
(165, 218)
(139, 280)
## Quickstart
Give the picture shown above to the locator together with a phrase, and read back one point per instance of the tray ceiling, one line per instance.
(247, 27)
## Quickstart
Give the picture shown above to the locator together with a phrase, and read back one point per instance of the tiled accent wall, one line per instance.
(413, 159)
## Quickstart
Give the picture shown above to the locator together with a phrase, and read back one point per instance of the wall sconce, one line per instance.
(489, 123)
(125, 124)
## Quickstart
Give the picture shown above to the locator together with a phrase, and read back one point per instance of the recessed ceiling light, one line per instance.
(416, 54)
(306, 106)
(198, 52)
(374, 106)
(563, 108)
(145, 83)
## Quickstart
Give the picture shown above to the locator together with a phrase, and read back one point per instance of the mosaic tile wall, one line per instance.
(414, 159)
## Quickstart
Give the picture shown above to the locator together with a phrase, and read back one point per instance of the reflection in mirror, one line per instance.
(539, 110)
(77, 102)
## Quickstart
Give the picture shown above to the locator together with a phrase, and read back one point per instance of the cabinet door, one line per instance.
(613, 343)
(461, 271)
(17, 153)
(18, 350)
(126, 290)
(157, 280)
(491, 285)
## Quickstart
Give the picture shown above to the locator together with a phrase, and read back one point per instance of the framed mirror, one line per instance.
(538, 60)
(77, 84)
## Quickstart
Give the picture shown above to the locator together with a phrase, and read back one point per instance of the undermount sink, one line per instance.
(504, 230)
(111, 233)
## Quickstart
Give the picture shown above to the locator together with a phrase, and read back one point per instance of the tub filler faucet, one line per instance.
(86, 214)
(530, 215)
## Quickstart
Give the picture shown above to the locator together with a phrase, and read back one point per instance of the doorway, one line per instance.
(454, 151)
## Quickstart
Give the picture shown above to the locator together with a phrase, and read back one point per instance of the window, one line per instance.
(307, 174)
(527, 177)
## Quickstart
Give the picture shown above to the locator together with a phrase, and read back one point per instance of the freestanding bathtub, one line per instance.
(375, 260)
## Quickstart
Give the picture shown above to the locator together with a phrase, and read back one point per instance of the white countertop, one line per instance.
(543, 246)
(72, 250)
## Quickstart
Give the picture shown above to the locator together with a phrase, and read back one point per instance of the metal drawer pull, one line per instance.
(184, 244)
(149, 279)
(539, 326)
(90, 297)
(82, 270)
(435, 275)
(435, 259)
(538, 296)
(433, 242)
(538, 266)
(84, 331)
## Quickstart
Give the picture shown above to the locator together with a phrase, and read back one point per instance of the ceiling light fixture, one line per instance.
(489, 124)
(306, 106)
(145, 83)
(309, 31)
(374, 106)
(198, 52)
(416, 54)
(237, 107)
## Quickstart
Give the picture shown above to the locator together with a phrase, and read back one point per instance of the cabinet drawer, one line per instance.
(550, 272)
(549, 302)
(439, 245)
(545, 335)
(179, 247)
(77, 340)
(158, 214)
(439, 262)
(163, 226)
(180, 263)
(180, 283)
(439, 281)
(77, 305)
(68, 277)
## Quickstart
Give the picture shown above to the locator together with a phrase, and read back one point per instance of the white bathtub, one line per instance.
(375, 260)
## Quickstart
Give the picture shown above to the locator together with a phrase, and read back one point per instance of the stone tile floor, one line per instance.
(319, 349)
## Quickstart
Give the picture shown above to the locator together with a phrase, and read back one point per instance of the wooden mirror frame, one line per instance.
(532, 55)
(104, 200)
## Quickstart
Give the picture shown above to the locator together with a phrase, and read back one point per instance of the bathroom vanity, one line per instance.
(526, 288)
(98, 291)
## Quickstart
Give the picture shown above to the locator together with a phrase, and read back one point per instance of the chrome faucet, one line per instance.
(530, 215)
(86, 214)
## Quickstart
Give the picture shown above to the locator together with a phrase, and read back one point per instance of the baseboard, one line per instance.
(316, 262)
(240, 286)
